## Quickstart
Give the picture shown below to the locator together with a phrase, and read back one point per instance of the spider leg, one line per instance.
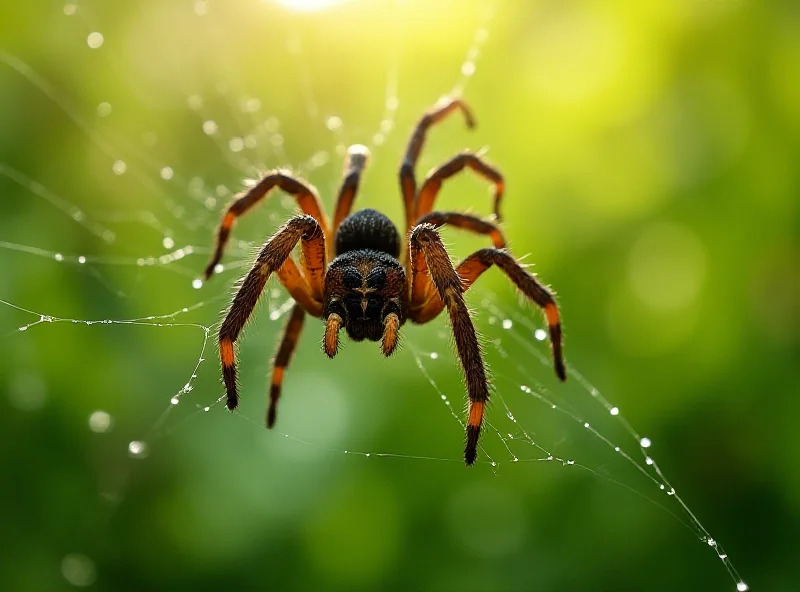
(272, 257)
(408, 183)
(471, 269)
(467, 222)
(294, 282)
(426, 245)
(306, 196)
(433, 183)
(354, 166)
(291, 336)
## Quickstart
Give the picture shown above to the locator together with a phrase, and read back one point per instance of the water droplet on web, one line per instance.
(333, 123)
(586, 425)
(24, 328)
(100, 422)
(366, 454)
(206, 409)
(616, 448)
(648, 460)
(58, 257)
(494, 464)
(94, 40)
(645, 442)
(468, 68)
(570, 462)
(210, 127)
(119, 167)
(78, 570)
(137, 449)
(197, 284)
(104, 109)
(711, 542)
(511, 416)
(236, 144)
(444, 397)
(219, 268)
(540, 334)
(166, 173)
(614, 411)
(742, 587)
(168, 242)
(434, 356)
(174, 400)
(81, 259)
(507, 323)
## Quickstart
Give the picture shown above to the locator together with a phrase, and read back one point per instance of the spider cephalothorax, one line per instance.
(359, 281)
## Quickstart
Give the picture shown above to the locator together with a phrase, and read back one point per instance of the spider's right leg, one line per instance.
(272, 258)
(467, 222)
(306, 196)
(291, 336)
(356, 162)
(408, 182)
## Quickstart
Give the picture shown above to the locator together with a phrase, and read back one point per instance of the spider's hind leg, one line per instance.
(289, 341)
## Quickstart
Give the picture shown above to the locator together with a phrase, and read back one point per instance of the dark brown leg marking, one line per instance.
(426, 244)
(272, 256)
(291, 336)
(430, 189)
(306, 196)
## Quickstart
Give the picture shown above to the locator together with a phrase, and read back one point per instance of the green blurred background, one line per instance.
(650, 151)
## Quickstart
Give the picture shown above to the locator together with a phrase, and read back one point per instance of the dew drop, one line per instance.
(100, 422)
(507, 323)
(206, 409)
(468, 68)
(236, 144)
(616, 448)
(81, 259)
(742, 587)
(210, 127)
(197, 283)
(570, 462)
(119, 167)
(614, 411)
(392, 103)
(645, 442)
(166, 173)
(366, 454)
(24, 328)
(95, 40)
(540, 334)
(494, 464)
(104, 109)
(137, 449)
(434, 356)
(174, 400)
(333, 123)
(444, 397)
(511, 416)
(648, 460)
(219, 268)
(168, 242)
(58, 257)
(586, 425)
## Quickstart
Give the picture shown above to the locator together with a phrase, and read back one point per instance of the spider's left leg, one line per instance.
(291, 336)
(306, 196)
(271, 258)
(471, 269)
(354, 166)
(428, 254)
(433, 183)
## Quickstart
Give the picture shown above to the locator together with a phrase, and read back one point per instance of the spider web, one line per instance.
(138, 233)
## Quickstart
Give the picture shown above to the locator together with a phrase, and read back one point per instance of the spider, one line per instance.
(353, 276)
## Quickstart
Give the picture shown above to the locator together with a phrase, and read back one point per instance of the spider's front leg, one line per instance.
(270, 259)
(428, 255)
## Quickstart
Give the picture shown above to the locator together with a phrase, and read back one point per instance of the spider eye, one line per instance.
(377, 279)
(351, 278)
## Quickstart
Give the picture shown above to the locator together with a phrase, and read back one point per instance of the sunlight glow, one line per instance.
(309, 5)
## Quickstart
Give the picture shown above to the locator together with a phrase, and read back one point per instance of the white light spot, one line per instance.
(648, 460)
(100, 422)
(95, 40)
(119, 167)
(210, 127)
(378, 139)
(586, 425)
(742, 587)
(137, 449)
(468, 68)
(206, 409)
(507, 323)
(104, 109)
(434, 356)
(174, 400)
(219, 268)
(540, 334)
(81, 259)
(392, 103)
(58, 257)
(645, 442)
(78, 570)
(274, 315)
(236, 144)
(333, 123)
(614, 411)
(70, 9)
(166, 173)
(168, 242)
(197, 284)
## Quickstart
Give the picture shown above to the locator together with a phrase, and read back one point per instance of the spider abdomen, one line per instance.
(370, 230)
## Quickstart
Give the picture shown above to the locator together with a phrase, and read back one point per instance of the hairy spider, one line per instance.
(357, 280)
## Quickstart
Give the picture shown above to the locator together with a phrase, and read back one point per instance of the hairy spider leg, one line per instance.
(307, 199)
(272, 257)
(426, 244)
(408, 182)
(473, 267)
(292, 279)
(433, 183)
(355, 164)
(289, 341)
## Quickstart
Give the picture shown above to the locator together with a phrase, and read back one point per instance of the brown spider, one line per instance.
(359, 282)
